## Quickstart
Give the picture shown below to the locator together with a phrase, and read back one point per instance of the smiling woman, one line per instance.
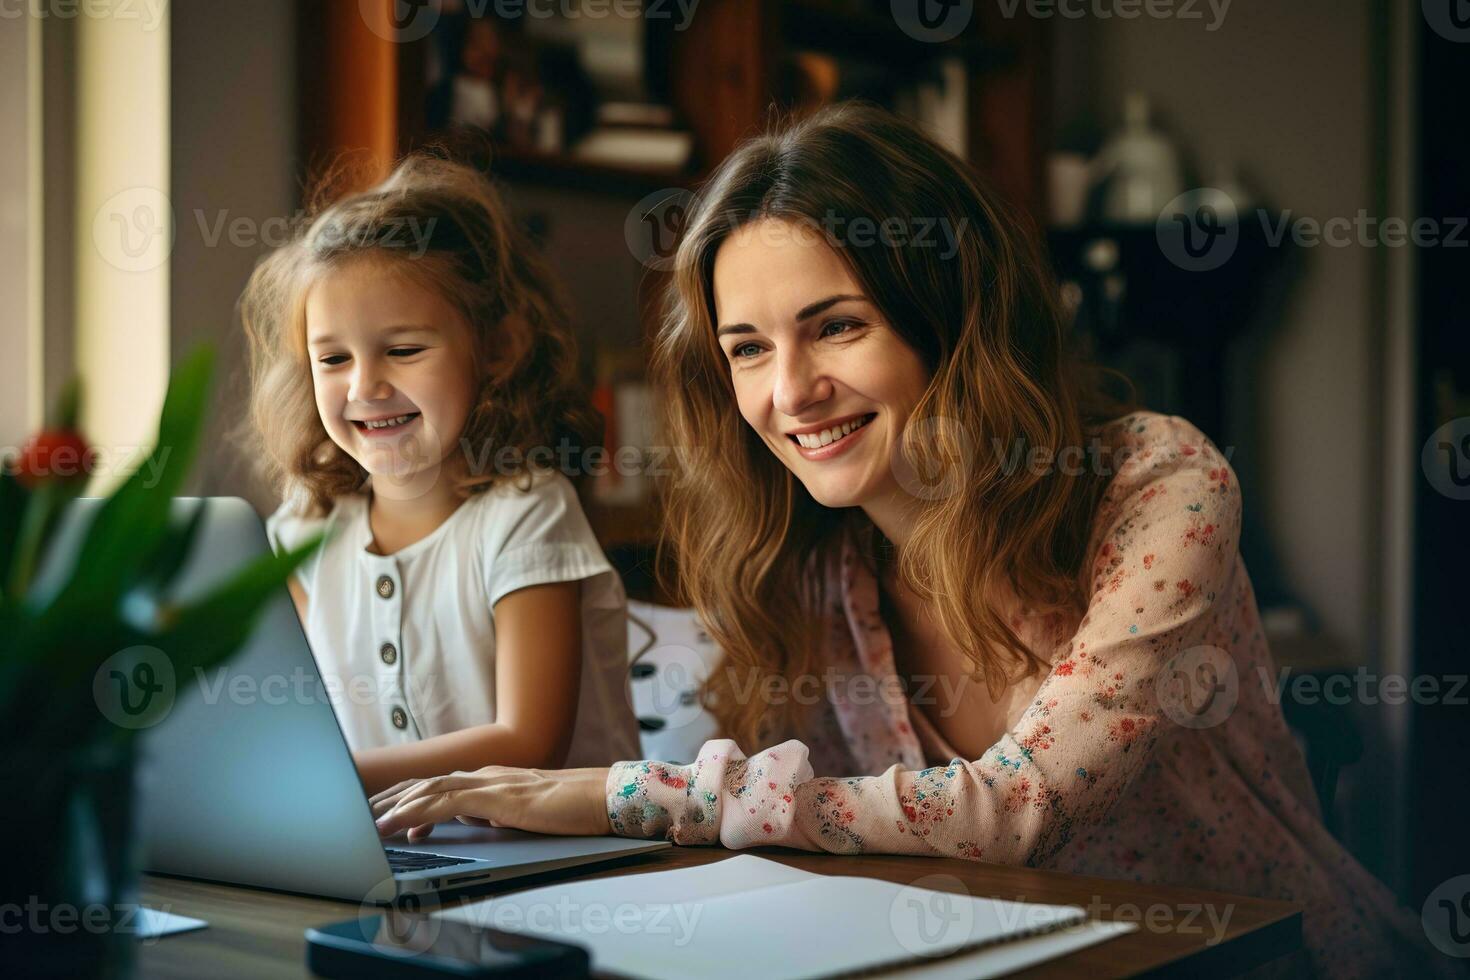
(824, 285)
(849, 507)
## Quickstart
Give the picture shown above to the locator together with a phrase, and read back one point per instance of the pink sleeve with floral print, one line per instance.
(1164, 547)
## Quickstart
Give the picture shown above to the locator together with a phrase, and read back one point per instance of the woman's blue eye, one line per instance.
(842, 325)
(753, 348)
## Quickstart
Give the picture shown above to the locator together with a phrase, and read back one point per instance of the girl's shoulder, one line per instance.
(532, 505)
(295, 519)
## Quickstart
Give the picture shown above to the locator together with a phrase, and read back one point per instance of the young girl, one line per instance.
(1026, 607)
(410, 363)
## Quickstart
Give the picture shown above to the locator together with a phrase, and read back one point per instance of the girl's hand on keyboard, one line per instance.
(543, 801)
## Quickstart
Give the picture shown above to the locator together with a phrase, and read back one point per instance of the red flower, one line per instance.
(766, 827)
(54, 454)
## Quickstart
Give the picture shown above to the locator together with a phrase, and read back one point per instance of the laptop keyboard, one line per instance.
(401, 861)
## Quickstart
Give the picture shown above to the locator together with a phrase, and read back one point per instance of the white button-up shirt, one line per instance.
(406, 642)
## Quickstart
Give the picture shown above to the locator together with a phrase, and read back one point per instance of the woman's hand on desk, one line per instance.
(543, 801)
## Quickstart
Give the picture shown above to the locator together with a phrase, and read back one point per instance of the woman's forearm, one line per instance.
(464, 750)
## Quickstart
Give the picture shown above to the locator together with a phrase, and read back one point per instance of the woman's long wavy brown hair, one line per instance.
(439, 221)
(749, 542)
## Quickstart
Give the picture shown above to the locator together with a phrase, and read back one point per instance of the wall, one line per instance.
(1283, 92)
(1289, 94)
(234, 146)
(19, 272)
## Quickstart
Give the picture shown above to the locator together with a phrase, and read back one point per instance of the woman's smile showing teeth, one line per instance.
(827, 442)
(384, 426)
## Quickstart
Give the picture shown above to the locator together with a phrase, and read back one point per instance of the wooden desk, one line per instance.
(255, 933)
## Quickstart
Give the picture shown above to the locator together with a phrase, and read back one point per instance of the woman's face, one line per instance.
(818, 374)
(392, 366)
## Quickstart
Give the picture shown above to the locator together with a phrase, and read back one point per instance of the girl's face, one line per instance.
(392, 364)
(818, 374)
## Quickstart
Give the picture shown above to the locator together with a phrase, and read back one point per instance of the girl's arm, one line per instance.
(298, 597)
(1166, 557)
(538, 673)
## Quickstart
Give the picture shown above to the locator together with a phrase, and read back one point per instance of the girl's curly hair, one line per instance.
(442, 223)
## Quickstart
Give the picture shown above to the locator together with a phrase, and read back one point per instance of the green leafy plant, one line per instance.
(67, 770)
(114, 595)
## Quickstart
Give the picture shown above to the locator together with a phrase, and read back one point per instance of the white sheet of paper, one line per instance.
(749, 916)
(152, 923)
(1009, 957)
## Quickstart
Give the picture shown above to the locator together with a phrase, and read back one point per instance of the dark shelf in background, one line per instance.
(872, 37)
(564, 171)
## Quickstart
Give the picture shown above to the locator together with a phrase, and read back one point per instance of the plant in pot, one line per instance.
(79, 645)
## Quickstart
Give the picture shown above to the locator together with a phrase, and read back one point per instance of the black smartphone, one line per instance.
(398, 943)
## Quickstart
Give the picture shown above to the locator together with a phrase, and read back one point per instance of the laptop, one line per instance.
(247, 778)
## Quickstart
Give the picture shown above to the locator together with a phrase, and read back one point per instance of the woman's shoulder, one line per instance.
(1165, 476)
(1142, 447)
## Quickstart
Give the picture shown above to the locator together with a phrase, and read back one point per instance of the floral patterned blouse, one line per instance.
(1152, 751)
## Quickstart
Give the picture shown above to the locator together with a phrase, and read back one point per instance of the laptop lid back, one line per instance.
(245, 777)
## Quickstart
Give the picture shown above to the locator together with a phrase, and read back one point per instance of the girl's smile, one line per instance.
(381, 426)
